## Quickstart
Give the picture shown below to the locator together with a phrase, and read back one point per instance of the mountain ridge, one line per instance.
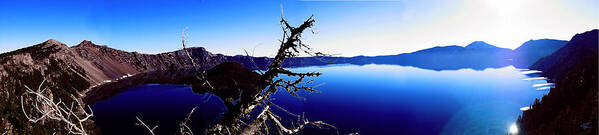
(531, 51)
(579, 47)
(477, 55)
(73, 70)
(69, 71)
(465, 56)
(480, 45)
(571, 106)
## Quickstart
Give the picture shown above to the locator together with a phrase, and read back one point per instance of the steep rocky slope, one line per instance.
(64, 71)
(570, 107)
(116, 63)
(73, 70)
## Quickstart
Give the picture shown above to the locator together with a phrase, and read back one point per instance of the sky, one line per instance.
(343, 27)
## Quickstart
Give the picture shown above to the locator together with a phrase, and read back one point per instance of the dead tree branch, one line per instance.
(45, 108)
(251, 58)
(141, 123)
(183, 128)
(202, 73)
(291, 45)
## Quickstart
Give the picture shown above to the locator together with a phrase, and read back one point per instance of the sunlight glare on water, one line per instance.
(514, 129)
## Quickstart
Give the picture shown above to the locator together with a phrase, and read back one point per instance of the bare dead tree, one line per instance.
(269, 82)
(201, 73)
(236, 120)
(183, 128)
(43, 108)
(141, 123)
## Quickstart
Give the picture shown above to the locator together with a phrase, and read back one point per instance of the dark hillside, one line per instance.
(570, 107)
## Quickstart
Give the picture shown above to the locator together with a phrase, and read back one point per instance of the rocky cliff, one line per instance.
(63, 69)
(115, 63)
(73, 70)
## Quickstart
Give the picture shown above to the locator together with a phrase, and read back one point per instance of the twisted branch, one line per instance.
(202, 73)
(183, 128)
(141, 123)
(73, 116)
(291, 45)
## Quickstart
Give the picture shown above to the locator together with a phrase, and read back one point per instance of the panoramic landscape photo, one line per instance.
(306, 67)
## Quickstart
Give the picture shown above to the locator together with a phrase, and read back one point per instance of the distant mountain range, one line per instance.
(478, 55)
(76, 69)
(96, 63)
(90, 64)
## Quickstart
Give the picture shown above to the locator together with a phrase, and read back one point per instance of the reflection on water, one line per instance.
(514, 129)
(492, 117)
(386, 99)
(162, 105)
(544, 88)
(543, 84)
(535, 78)
(526, 108)
(530, 72)
(370, 99)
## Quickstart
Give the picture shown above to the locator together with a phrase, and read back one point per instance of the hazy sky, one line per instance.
(348, 27)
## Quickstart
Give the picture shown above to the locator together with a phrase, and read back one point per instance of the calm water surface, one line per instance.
(162, 105)
(370, 99)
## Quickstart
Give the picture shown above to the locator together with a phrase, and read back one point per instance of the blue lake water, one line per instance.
(162, 105)
(370, 99)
